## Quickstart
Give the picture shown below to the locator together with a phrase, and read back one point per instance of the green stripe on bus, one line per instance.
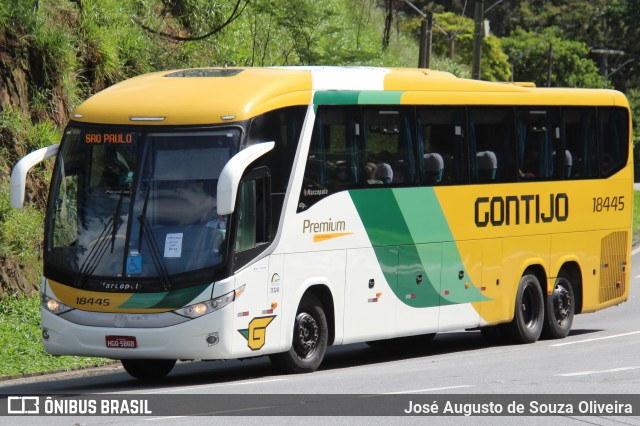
(166, 300)
(354, 97)
(414, 246)
(376, 97)
(336, 97)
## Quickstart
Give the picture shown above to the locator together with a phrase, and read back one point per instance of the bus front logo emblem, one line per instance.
(257, 332)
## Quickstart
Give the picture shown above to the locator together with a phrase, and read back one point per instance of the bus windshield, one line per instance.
(138, 204)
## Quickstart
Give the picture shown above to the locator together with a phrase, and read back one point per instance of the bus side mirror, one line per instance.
(19, 173)
(232, 173)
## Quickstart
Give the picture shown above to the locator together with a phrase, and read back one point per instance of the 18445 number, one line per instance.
(602, 204)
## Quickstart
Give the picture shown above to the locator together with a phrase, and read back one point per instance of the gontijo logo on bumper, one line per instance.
(325, 230)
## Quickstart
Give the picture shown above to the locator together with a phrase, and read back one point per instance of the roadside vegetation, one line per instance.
(20, 339)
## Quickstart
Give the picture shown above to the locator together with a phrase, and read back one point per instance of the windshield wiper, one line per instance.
(103, 241)
(156, 256)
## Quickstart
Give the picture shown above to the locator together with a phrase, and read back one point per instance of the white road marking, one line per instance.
(429, 390)
(635, 251)
(597, 338)
(587, 373)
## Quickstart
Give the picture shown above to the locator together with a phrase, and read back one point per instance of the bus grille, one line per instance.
(613, 263)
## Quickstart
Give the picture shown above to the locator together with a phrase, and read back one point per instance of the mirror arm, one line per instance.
(19, 172)
(232, 173)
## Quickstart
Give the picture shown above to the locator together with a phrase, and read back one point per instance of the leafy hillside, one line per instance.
(56, 53)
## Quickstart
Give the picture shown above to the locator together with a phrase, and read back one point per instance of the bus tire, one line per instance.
(528, 317)
(310, 336)
(148, 369)
(559, 309)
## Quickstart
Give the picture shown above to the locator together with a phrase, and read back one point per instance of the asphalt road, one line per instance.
(600, 356)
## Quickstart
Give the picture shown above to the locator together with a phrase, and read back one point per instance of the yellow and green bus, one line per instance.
(236, 212)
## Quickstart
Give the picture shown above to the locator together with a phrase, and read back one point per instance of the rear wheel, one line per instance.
(148, 369)
(310, 335)
(528, 317)
(559, 309)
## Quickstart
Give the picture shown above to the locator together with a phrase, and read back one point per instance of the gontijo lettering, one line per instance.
(517, 209)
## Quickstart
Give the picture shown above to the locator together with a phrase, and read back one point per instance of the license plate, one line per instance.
(121, 342)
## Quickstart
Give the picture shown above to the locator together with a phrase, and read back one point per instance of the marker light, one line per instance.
(146, 118)
(54, 306)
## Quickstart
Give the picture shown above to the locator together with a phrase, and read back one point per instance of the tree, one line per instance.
(528, 52)
(453, 38)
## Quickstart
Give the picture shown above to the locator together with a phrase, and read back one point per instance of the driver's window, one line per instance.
(252, 228)
(246, 236)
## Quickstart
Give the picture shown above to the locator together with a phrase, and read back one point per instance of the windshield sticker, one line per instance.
(134, 265)
(173, 245)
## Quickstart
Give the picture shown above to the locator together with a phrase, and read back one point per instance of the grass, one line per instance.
(20, 339)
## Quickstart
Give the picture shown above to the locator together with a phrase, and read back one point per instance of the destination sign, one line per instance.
(108, 138)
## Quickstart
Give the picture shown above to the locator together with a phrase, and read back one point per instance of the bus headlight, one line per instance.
(54, 306)
(203, 308)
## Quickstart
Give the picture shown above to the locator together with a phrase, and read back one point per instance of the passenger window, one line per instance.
(614, 139)
(389, 157)
(333, 161)
(579, 143)
(491, 142)
(538, 133)
(441, 146)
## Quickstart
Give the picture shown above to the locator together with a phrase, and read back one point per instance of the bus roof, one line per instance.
(219, 95)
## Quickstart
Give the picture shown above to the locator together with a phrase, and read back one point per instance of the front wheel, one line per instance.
(528, 316)
(310, 336)
(148, 369)
(559, 309)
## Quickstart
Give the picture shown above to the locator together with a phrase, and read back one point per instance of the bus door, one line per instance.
(256, 318)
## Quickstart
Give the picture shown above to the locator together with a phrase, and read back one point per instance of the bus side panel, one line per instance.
(419, 274)
(461, 272)
(607, 283)
(256, 325)
(494, 286)
(370, 304)
(519, 253)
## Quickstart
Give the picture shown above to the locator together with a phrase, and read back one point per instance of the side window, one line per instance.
(491, 142)
(578, 149)
(333, 163)
(613, 132)
(389, 152)
(442, 150)
(538, 133)
(282, 126)
(252, 231)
